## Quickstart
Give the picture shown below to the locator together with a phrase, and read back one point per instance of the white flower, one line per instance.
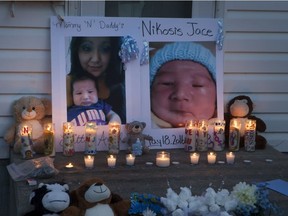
(230, 205)
(245, 193)
(225, 214)
(185, 193)
(214, 208)
(148, 212)
(178, 212)
(172, 195)
(169, 204)
(210, 196)
(222, 197)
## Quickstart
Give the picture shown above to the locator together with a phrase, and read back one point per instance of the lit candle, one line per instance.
(219, 135)
(163, 159)
(49, 139)
(89, 161)
(202, 135)
(90, 138)
(211, 157)
(130, 159)
(69, 166)
(194, 158)
(68, 139)
(250, 135)
(234, 134)
(230, 157)
(111, 160)
(26, 141)
(190, 135)
(114, 137)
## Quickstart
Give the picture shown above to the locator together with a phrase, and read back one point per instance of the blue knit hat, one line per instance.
(183, 51)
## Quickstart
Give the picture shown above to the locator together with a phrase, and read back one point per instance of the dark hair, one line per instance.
(76, 78)
(114, 72)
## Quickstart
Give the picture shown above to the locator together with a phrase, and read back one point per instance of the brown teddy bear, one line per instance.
(93, 197)
(241, 107)
(135, 135)
(33, 111)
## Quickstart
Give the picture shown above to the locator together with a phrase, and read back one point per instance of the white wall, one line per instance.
(255, 58)
(256, 62)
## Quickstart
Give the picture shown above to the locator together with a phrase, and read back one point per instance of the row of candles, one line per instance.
(162, 159)
(200, 136)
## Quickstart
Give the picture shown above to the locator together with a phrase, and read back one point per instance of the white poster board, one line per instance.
(137, 79)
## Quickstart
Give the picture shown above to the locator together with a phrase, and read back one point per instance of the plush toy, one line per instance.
(49, 199)
(33, 111)
(241, 107)
(93, 197)
(134, 136)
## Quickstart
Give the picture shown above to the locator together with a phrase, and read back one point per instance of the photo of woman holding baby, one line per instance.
(97, 58)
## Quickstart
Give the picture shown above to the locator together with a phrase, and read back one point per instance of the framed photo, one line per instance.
(136, 40)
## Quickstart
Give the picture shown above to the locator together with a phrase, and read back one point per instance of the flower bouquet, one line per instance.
(243, 200)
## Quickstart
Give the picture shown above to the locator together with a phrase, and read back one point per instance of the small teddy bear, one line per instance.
(33, 111)
(135, 135)
(93, 197)
(241, 107)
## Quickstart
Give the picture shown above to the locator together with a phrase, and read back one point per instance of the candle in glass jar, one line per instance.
(219, 135)
(230, 157)
(130, 159)
(250, 135)
(111, 160)
(114, 137)
(49, 148)
(90, 138)
(163, 159)
(68, 139)
(194, 158)
(234, 134)
(202, 135)
(211, 157)
(89, 161)
(26, 141)
(190, 135)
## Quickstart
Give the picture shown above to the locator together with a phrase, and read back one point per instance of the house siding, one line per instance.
(255, 59)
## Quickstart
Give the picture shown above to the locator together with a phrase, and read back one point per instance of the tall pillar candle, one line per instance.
(219, 135)
(26, 141)
(250, 135)
(90, 138)
(68, 139)
(234, 134)
(114, 137)
(190, 135)
(202, 135)
(49, 148)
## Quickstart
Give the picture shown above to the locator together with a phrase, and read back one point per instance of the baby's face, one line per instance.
(84, 93)
(183, 90)
(95, 54)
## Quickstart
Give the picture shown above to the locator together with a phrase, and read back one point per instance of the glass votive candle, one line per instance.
(194, 158)
(163, 159)
(89, 161)
(69, 166)
(211, 157)
(230, 157)
(111, 160)
(130, 159)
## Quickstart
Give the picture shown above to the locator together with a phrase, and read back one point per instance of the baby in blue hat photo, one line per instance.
(182, 84)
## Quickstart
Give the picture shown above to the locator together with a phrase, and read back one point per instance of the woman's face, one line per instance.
(94, 55)
(183, 90)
